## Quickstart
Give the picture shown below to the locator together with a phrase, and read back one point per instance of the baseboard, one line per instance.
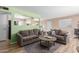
(3, 40)
(13, 43)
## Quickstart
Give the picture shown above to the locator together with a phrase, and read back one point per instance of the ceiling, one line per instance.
(48, 12)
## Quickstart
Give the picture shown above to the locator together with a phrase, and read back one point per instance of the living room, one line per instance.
(43, 29)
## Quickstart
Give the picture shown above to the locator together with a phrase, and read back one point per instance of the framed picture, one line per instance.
(15, 23)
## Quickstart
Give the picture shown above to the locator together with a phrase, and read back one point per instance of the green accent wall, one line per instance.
(16, 28)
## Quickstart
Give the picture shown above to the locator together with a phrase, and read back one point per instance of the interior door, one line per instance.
(3, 26)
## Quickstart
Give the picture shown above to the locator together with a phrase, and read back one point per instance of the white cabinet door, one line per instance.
(3, 26)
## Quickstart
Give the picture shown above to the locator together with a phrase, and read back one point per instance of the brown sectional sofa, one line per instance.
(76, 32)
(60, 35)
(27, 36)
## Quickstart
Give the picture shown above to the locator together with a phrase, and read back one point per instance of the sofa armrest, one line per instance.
(19, 35)
(42, 33)
(19, 39)
(61, 37)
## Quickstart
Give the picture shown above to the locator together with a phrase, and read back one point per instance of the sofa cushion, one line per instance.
(31, 32)
(49, 33)
(24, 33)
(62, 33)
(29, 37)
(77, 31)
(57, 32)
(36, 31)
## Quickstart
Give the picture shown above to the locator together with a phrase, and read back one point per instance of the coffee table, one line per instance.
(47, 41)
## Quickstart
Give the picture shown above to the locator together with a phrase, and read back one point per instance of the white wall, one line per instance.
(49, 12)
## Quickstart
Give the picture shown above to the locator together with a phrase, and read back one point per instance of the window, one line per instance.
(65, 23)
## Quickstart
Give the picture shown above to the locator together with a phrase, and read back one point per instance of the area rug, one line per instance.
(36, 48)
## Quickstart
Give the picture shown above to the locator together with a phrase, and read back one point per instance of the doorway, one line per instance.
(9, 29)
